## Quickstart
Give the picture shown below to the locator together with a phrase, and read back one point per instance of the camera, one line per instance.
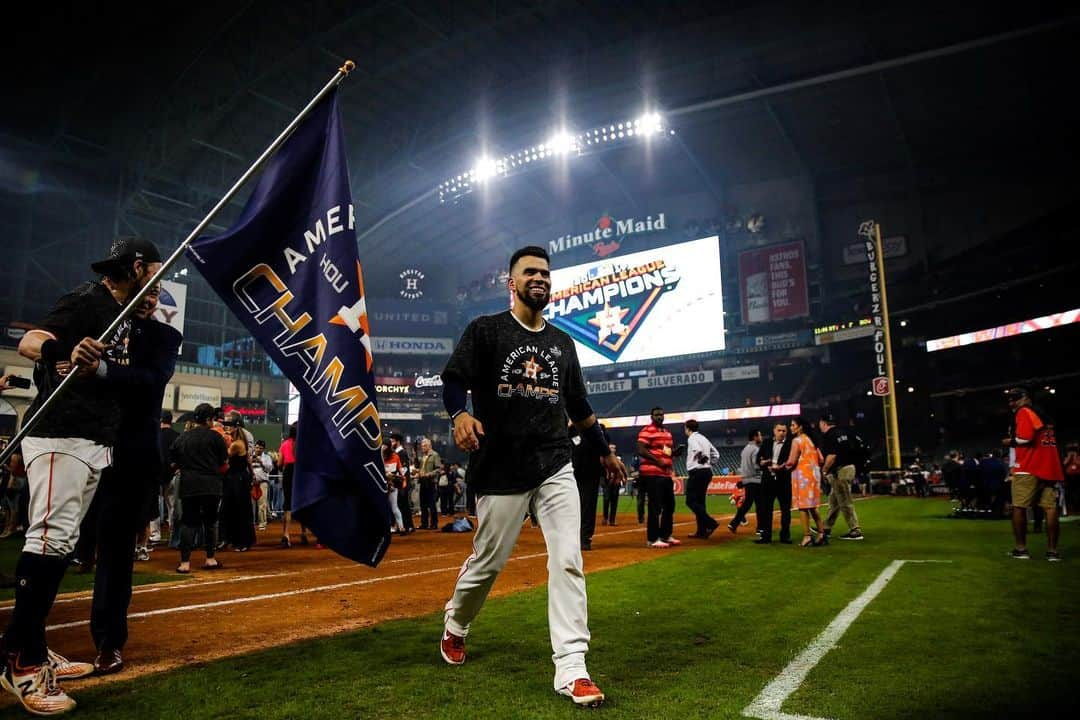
(14, 381)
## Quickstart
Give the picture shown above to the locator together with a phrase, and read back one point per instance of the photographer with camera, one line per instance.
(701, 454)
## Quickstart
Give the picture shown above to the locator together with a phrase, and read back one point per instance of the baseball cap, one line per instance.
(828, 418)
(127, 248)
(1015, 393)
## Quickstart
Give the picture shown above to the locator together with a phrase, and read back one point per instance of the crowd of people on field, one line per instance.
(420, 484)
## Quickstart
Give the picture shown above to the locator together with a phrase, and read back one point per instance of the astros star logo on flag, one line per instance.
(355, 318)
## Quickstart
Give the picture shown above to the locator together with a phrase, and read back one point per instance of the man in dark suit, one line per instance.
(775, 485)
(588, 473)
(129, 489)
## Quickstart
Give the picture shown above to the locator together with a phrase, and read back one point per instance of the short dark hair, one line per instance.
(655, 409)
(166, 416)
(203, 413)
(529, 251)
(691, 425)
(1016, 393)
(753, 434)
(397, 436)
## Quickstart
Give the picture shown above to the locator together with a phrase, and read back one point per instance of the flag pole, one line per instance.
(177, 254)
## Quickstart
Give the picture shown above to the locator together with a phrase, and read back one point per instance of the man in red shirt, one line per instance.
(655, 447)
(1036, 472)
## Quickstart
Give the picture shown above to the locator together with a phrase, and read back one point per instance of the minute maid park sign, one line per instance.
(607, 233)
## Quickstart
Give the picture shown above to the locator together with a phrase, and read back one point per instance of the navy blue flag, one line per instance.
(289, 269)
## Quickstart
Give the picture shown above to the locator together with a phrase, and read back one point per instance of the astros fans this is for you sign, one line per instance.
(656, 303)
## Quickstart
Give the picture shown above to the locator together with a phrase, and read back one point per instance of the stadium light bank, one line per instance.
(561, 144)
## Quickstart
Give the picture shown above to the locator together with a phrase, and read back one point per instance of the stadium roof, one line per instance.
(167, 112)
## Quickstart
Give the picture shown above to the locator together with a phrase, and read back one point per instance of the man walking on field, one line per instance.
(525, 380)
(1036, 472)
(839, 467)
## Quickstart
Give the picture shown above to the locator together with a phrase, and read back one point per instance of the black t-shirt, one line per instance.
(950, 473)
(837, 441)
(199, 453)
(521, 381)
(166, 438)
(89, 407)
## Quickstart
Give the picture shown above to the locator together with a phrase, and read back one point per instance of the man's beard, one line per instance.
(533, 303)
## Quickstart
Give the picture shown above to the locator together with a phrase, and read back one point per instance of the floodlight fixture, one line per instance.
(563, 143)
(649, 124)
(485, 168)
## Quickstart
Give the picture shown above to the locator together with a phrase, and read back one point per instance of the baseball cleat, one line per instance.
(108, 662)
(583, 691)
(35, 687)
(672, 541)
(659, 544)
(452, 648)
(66, 669)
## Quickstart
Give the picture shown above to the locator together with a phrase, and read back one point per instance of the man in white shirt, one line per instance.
(700, 455)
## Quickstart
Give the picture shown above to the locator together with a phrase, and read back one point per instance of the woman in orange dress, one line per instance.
(805, 478)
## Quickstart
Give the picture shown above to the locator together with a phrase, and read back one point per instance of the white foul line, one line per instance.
(270, 596)
(200, 584)
(767, 704)
(288, 593)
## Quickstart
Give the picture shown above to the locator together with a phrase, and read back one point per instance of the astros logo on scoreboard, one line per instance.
(604, 310)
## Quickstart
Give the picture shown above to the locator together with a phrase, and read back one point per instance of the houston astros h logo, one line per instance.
(410, 284)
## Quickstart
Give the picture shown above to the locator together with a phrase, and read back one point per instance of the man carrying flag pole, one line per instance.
(295, 240)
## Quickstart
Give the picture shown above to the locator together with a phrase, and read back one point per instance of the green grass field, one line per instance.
(697, 634)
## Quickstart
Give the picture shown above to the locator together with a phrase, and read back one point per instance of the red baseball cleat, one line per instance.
(452, 648)
(583, 691)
